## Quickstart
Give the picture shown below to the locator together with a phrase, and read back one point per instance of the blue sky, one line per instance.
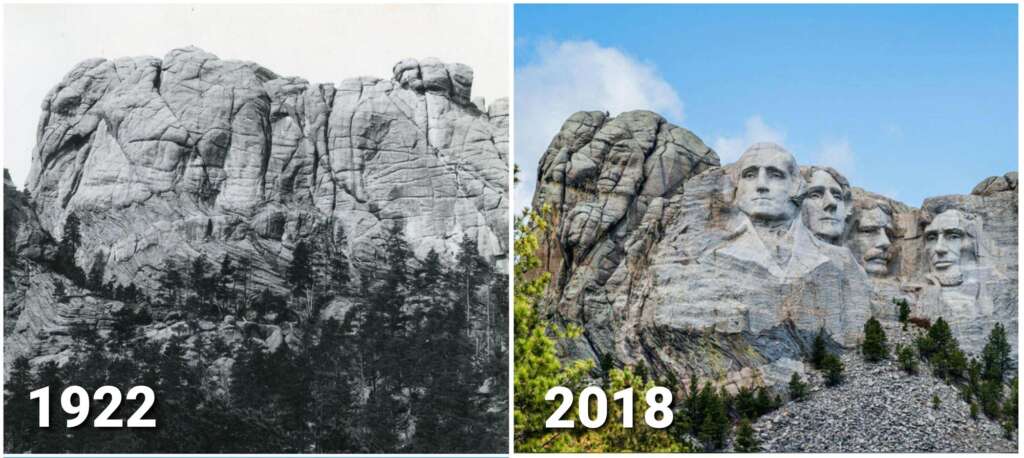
(910, 101)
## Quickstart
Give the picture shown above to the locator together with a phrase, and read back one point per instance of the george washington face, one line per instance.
(766, 183)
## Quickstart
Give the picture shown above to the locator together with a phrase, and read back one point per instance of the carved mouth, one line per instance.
(877, 257)
(829, 220)
(942, 264)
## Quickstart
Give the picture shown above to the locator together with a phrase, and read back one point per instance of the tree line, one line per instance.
(416, 364)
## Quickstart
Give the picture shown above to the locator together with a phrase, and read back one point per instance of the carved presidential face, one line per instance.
(825, 206)
(945, 240)
(871, 242)
(766, 184)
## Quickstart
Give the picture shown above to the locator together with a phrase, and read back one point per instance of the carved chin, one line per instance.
(876, 267)
(949, 278)
(768, 210)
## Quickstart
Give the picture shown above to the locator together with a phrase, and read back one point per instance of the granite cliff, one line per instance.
(166, 159)
(668, 258)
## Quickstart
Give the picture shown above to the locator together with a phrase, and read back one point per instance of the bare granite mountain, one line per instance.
(669, 259)
(166, 159)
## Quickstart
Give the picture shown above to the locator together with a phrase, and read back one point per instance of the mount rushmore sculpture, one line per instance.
(669, 259)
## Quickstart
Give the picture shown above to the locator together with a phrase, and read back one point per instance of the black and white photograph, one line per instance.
(256, 228)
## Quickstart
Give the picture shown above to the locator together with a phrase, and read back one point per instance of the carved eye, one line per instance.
(814, 195)
(837, 195)
(954, 236)
(931, 237)
(777, 175)
(749, 175)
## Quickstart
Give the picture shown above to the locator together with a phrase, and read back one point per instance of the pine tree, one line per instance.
(171, 282)
(332, 403)
(338, 265)
(96, 272)
(384, 339)
(996, 355)
(797, 388)
(20, 422)
(197, 277)
(299, 274)
(907, 359)
(764, 402)
(990, 394)
(874, 347)
(936, 402)
(904, 311)
(51, 440)
(450, 410)
(833, 368)
(241, 276)
(942, 350)
(537, 365)
(745, 440)
(224, 283)
(300, 277)
(715, 427)
(1010, 420)
(472, 272)
(818, 349)
(70, 240)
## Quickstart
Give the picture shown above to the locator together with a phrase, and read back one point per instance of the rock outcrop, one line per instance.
(165, 159)
(669, 259)
(879, 408)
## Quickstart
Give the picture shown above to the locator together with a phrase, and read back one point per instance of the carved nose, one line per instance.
(830, 203)
(762, 182)
(882, 241)
(940, 246)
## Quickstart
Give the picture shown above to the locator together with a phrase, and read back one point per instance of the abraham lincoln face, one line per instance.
(946, 241)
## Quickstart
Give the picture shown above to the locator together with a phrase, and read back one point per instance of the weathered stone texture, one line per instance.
(164, 159)
(654, 257)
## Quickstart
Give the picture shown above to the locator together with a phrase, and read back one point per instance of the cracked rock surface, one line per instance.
(164, 159)
(650, 255)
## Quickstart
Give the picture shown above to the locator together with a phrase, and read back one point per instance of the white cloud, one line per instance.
(838, 154)
(755, 130)
(575, 76)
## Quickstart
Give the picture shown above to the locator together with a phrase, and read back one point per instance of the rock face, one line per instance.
(667, 258)
(166, 159)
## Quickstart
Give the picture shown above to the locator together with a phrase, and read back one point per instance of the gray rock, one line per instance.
(666, 258)
(165, 159)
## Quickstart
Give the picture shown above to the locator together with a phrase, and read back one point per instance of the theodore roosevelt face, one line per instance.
(871, 240)
(767, 183)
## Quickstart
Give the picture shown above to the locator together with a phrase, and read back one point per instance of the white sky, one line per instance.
(321, 43)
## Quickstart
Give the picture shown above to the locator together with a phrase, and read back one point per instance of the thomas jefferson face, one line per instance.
(944, 242)
(872, 240)
(766, 184)
(825, 207)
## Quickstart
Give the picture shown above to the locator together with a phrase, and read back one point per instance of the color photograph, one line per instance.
(766, 228)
